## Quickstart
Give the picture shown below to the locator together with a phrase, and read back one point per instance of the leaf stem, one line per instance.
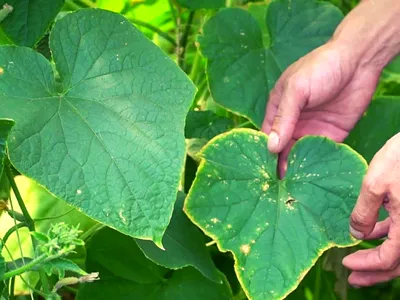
(195, 67)
(211, 243)
(28, 220)
(26, 267)
(173, 13)
(184, 39)
(12, 230)
(88, 3)
(92, 230)
(12, 288)
(317, 287)
(244, 124)
(163, 34)
(72, 5)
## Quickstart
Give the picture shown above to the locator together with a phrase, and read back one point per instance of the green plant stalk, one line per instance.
(87, 234)
(88, 3)
(28, 220)
(195, 67)
(317, 286)
(12, 287)
(184, 39)
(35, 262)
(244, 124)
(173, 13)
(72, 5)
(25, 268)
(155, 29)
(12, 230)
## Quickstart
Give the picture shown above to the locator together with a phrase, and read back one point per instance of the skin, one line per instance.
(325, 93)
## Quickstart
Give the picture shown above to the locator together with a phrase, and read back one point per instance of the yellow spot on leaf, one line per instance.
(1, 71)
(245, 249)
(214, 220)
(265, 187)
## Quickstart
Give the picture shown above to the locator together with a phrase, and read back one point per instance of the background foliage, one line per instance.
(108, 128)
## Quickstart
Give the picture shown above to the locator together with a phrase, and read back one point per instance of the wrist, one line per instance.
(370, 33)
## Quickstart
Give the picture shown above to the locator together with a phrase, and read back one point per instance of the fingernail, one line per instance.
(357, 234)
(273, 141)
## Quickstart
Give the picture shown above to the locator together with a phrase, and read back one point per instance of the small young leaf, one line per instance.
(276, 229)
(111, 143)
(241, 69)
(29, 20)
(125, 273)
(60, 265)
(184, 246)
(41, 237)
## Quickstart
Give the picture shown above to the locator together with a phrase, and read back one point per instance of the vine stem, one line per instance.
(88, 3)
(26, 267)
(184, 39)
(317, 287)
(11, 230)
(28, 220)
(153, 28)
(72, 5)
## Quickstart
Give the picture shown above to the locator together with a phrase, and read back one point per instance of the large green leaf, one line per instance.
(125, 273)
(241, 69)
(275, 228)
(29, 20)
(199, 4)
(184, 246)
(111, 142)
(376, 127)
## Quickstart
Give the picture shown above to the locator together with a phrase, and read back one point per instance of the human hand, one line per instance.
(327, 91)
(324, 93)
(381, 186)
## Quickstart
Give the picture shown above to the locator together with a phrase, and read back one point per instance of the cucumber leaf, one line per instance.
(108, 139)
(275, 228)
(29, 20)
(242, 69)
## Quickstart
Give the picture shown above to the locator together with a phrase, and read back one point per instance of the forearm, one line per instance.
(371, 32)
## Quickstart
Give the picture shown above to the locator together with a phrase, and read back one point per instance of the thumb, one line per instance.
(287, 115)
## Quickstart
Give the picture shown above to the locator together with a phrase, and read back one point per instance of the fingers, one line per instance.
(286, 114)
(362, 279)
(385, 257)
(373, 192)
(380, 231)
(283, 156)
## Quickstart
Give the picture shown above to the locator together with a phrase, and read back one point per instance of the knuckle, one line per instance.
(358, 220)
(388, 263)
(293, 84)
(372, 187)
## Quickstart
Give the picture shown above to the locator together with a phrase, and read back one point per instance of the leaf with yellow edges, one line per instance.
(276, 228)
